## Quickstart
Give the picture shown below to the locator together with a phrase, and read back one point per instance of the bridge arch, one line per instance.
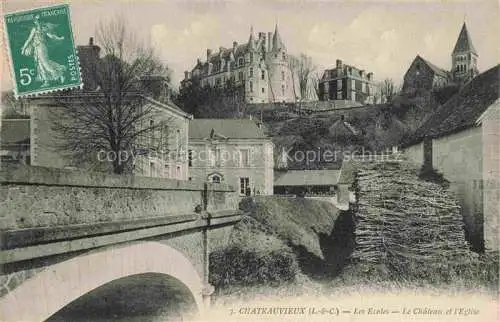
(58, 285)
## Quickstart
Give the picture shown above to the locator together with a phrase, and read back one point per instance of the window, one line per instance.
(245, 186)
(353, 83)
(263, 90)
(240, 61)
(244, 157)
(152, 170)
(283, 55)
(250, 73)
(353, 95)
(339, 95)
(215, 179)
(363, 87)
(178, 142)
(240, 76)
(164, 138)
(251, 86)
(190, 158)
(339, 84)
(283, 89)
(263, 75)
(282, 75)
(217, 81)
(251, 57)
(178, 172)
(166, 171)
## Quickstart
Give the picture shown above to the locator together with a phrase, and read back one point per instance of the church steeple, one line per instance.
(464, 57)
(464, 42)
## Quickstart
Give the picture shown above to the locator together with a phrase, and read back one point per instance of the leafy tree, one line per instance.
(208, 101)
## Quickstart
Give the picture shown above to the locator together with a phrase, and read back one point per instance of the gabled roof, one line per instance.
(434, 68)
(464, 42)
(229, 128)
(464, 108)
(308, 178)
(15, 131)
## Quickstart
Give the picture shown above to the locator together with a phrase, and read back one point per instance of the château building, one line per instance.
(423, 75)
(260, 67)
(346, 82)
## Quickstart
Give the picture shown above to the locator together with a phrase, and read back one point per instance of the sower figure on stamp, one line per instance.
(36, 45)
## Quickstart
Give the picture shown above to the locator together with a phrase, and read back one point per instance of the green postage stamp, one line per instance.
(42, 51)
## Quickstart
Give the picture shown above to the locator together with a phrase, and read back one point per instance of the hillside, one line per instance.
(368, 128)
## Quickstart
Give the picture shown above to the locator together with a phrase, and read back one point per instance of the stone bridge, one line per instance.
(64, 234)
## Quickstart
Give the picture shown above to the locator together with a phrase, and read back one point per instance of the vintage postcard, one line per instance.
(172, 160)
(42, 51)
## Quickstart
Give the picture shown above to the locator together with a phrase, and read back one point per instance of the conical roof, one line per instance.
(251, 39)
(277, 43)
(464, 42)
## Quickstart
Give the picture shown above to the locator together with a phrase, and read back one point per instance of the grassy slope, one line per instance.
(279, 239)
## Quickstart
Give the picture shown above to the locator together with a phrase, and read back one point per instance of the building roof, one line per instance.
(464, 42)
(15, 131)
(434, 68)
(229, 128)
(347, 71)
(463, 109)
(308, 178)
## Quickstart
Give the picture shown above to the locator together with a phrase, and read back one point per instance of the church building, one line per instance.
(423, 75)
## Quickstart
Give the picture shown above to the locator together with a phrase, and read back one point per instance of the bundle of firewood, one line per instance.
(400, 218)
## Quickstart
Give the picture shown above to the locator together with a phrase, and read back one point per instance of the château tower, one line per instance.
(464, 58)
(260, 67)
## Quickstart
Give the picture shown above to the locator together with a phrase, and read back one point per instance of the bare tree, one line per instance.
(388, 89)
(315, 81)
(304, 68)
(115, 119)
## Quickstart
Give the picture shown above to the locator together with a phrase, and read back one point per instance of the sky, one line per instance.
(379, 36)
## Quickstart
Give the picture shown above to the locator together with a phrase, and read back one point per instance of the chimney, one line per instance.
(369, 76)
(339, 64)
(88, 56)
(186, 74)
(362, 73)
(156, 87)
(209, 53)
(198, 61)
(235, 44)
